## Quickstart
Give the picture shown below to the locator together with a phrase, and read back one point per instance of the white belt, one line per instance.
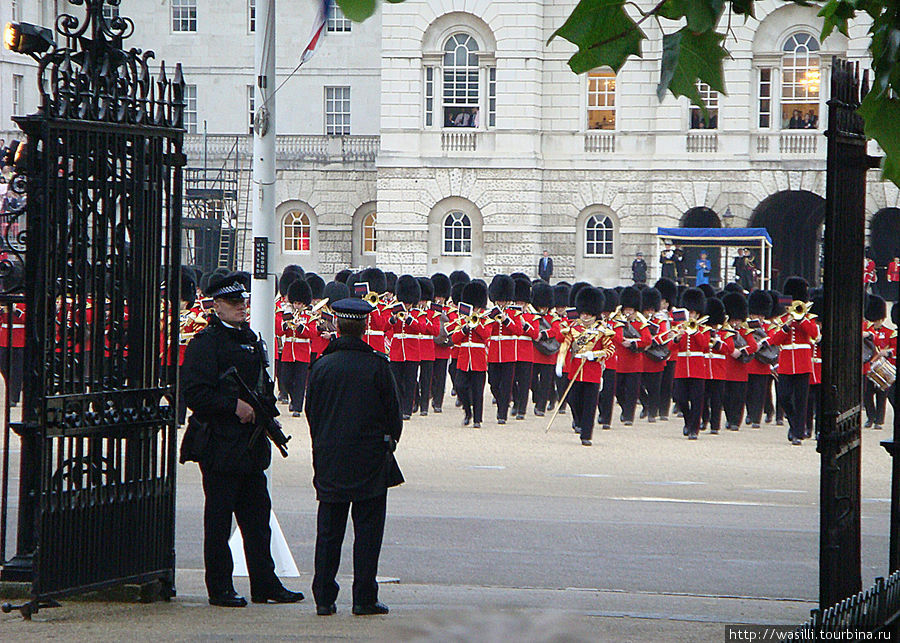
(405, 336)
(691, 354)
(471, 345)
(714, 356)
(375, 332)
(302, 340)
(18, 326)
(788, 347)
(502, 337)
(817, 360)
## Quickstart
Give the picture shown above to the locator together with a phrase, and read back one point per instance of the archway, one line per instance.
(702, 217)
(884, 240)
(793, 219)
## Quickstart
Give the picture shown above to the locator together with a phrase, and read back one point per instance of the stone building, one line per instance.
(446, 134)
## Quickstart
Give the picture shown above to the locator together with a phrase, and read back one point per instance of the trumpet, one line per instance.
(799, 309)
(691, 326)
(373, 298)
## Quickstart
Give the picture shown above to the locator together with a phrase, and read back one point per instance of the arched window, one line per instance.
(598, 236)
(457, 234)
(368, 234)
(800, 82)
(601, 100)
(296, 232)
(461, 82)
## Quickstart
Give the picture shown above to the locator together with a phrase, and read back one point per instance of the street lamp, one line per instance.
(26, 38)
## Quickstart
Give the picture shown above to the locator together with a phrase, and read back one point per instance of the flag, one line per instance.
(318, 30)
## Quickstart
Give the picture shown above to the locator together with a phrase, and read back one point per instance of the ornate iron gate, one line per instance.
(839, 432)
(102, 262)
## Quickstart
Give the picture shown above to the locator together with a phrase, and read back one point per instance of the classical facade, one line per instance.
(446, 134)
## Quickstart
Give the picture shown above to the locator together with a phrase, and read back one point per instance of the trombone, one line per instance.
(799, 309)
(373, 298)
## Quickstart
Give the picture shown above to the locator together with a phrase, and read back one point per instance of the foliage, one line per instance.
(608, 32)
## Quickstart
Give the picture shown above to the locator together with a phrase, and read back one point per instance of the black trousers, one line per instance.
(734, 396)
(875, 402)
(757, 387)
(770, 405)
(294, 376)
(405, 374)
(426, 372)
(665, 389)
(628, 387)
(451, 371)
(583, 398)
(793, 393)
(279, 377)
(689, 394)
(500, 377)
(245, 495)
(521, 386)
(470, 390)
(368, 532)
(438, 383)
(544, 377)
(712, 407)
(607, 397)
(13, 373)
(562, 383)
(650, 393)
(812, 409)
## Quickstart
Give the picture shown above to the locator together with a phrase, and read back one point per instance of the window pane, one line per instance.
(801, 79)
(601, 100)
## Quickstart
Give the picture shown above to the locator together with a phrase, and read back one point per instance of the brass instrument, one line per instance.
(691, 326)
(373, 298)
(799, 309)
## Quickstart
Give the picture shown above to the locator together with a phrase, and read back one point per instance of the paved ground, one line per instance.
(513, 532)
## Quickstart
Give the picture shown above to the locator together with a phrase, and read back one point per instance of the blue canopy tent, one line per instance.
(725, 238)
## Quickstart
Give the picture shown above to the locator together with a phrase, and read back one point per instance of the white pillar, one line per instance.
(262, 309)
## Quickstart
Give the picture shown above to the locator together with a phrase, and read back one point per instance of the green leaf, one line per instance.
(837, 14)
(701, 15)
(357, 10)
(604, 33)
(882, 113)
(688, 57)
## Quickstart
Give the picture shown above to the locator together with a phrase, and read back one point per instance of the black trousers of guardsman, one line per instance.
(438, 384)
(405, 374)
(543, 376)
(521, 386)
(583, 402)
(793, 392)
(607, 397)
(470, 391)
(500, 376)
(426, 372)
(689, 393)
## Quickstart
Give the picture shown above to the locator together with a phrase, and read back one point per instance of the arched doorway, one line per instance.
(793, 219)
(884, 240)
(702, 217)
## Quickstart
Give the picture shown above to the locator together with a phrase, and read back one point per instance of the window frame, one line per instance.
(337, 22)
(368, 226)
(461, 92)
(18, 85)
(191, 116)
(189, 20)
(251, 16)
(335, 129)
(811, 53)
(711, 98)
(761, 96)
(305, 224)
(608, 228)
(251, 105)
(596, 73)
(461, 222)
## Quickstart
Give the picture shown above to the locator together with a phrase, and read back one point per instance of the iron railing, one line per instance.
(876, 609)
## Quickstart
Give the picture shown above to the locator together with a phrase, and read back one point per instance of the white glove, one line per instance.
(559, 370)
(591, 356)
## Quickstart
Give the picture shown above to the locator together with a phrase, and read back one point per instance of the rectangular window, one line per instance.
(17, 81)
(765, 97)
(429, 96)
(184, 15)
(251, 15)
(14, 10)
(601, 100)
(337, 21)
(251, 104)
(492, 97)
(711, 99)
(190, 109)
(337, 111)
(800, 92)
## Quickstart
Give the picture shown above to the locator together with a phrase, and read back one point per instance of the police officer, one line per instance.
(353, 410)
(232, 468)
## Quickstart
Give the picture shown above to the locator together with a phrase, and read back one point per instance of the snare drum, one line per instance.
(882, 373)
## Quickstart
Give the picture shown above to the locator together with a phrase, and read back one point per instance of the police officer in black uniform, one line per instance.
(233, 478)
(353, 410)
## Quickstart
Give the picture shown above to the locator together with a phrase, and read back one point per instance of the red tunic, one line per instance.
(472, 347)
(893, 272)
(430, 326)
(405, 338)
(590, 370)
(17, 323)
(735, 369)
(530, 332)
(870, 276)
(502, 345)
(377, 327)
(691, 352)
(442, 352)
(719, 353)
(659, 332)
(795, 339)
(816, 376)
(627, 360)
(555, 332)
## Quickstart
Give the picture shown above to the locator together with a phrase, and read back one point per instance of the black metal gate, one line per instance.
(104, 183)
(842, 380)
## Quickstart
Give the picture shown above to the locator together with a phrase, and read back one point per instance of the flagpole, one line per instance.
(262, 310)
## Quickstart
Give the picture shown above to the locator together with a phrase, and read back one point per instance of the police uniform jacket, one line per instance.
(351, 405)
(213, 351)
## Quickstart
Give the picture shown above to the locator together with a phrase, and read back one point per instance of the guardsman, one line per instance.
(318, 342)
(632, 337)
(524, 347)
(817, 297)
(549, 335)
(870, 272)
(377, 321)
(442, 342)
(668, 293)
(608, 391)
(586, 346)
(690, 341)
(430, 327)
(502, 347)
(875, 400)
(471, 334)
(759, 369)
(288, 276)
(299, 332)
(655, 356)
(455, 297)
(560, 304)
(795, 334)
(405, 329)
(721, 345)
(12, 348)
(737, 362)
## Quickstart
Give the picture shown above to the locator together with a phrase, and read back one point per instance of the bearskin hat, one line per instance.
(694, 299)
(408, 290)
(522, 290)
(519, 275)
(441, 283)
(375, 278)
(456, 292)
(876, 308)
(542, 295)
(640, 287)
(708, 290)
(352, 280)
(611, 298)
(715, 310)
(630, 297)
(459, 277)
(196, 273)
(817, 297)
(778, 306)
(590, 300)
(335, 291)
(342, 275)
(475, 294)
(188, 286)
(316, 285)
(759, 303)
(285, 281)
(502, 288)
(426, 288)
(735, 305)
(733, 286)
(204, 282)
(564, 283)
(299, 292)
(796, 288)
(573, 291)
(650, 299)
(667, 290)
(561, 295)
(390, 280)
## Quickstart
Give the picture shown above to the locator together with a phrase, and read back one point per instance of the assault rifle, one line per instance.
(265, 412)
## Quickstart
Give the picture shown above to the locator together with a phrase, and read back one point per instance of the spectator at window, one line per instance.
(796, 121)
